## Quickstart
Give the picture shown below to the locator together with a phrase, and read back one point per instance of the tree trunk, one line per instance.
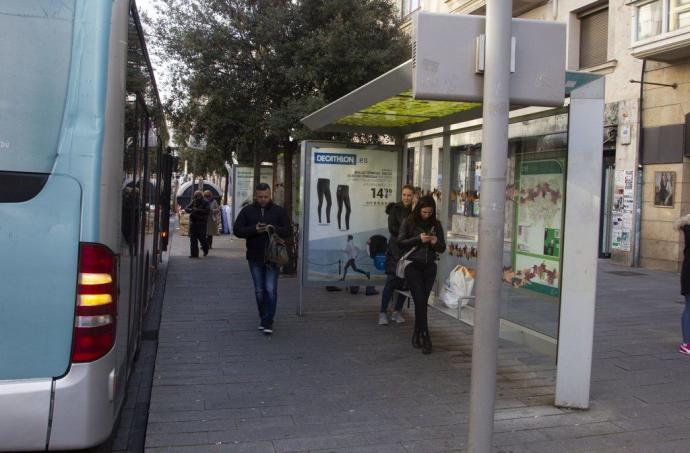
(227, 185)
(287, 184)
(257, 166)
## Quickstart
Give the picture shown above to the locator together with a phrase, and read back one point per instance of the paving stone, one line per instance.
(319, 443)
(333, 380)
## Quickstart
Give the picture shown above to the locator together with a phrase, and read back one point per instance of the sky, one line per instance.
(159, 67)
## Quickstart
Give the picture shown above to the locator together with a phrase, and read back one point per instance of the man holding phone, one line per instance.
(254, 223)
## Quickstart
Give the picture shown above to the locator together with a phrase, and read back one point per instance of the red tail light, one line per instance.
(94, 323)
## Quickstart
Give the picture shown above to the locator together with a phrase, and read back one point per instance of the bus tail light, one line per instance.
(94, 323)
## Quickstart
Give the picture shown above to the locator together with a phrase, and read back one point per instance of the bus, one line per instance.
(84, 210)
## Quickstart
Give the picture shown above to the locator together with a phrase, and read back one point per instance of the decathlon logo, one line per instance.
(338, 159)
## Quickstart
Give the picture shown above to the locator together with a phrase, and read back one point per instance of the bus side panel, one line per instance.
(84, 410)
(112, 179)
(39, 240)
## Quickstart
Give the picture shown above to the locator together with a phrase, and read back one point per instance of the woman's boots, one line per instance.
(426, 342)
(421, 340)
(416, 339)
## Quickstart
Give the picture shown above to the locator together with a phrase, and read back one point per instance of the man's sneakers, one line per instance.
(261, 328)
(397, 317)
(268, 330)
(383, 319)
(684, 348)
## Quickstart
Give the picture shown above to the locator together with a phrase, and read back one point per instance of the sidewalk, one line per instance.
(334, 380)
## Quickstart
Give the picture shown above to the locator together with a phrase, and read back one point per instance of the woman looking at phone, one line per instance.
(422, 232)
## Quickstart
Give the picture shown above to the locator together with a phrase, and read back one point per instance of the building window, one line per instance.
(656, 17)
(649, 19)
(594, 34)
(409, 6)
(679, 13)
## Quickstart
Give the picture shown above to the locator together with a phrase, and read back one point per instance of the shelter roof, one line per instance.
(386, 106)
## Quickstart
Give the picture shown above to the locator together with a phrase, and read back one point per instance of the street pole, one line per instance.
(491, 224)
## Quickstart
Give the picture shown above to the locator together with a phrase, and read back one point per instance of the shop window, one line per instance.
(594, 33)
(409, 177)
(535, 192)
(466, 182)
(427, 153)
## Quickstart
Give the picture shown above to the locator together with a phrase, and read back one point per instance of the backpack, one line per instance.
(276, 250)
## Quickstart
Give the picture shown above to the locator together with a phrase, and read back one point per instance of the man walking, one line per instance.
(253, 224)
(198, 211)
(396, 214)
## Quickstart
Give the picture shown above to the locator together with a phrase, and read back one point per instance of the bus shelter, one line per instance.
(552, 206)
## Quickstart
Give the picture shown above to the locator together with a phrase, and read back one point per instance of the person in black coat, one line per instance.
(683, 224)
(396, 214)
(422, 233)
(253, 223)
(198, 211)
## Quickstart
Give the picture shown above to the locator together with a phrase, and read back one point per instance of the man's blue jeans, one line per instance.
(265, 276)
(685, 320)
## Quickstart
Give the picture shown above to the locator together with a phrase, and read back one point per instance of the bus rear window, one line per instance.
(35, 52)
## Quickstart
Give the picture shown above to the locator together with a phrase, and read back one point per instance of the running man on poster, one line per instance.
(349, 191)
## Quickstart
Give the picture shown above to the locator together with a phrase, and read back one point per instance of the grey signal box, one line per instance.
(448, 52)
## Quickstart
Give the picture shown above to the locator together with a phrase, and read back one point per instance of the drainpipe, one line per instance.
(638, 186)
(554, 9)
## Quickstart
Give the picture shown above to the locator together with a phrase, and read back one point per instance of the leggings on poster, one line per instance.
(323, 188)
(343, 196)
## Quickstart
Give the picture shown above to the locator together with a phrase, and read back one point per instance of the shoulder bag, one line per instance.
(276, 250)
(403, 262)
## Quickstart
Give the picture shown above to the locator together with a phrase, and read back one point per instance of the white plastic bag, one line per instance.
(458, 287)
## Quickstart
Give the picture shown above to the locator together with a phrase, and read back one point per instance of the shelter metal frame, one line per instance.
(386, 106)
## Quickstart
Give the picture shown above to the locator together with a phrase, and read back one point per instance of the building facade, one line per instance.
(660, 40)
(598, 41)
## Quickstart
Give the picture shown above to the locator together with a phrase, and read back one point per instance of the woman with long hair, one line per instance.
(422, 233)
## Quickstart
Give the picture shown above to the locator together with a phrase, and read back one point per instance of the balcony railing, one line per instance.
(661, 29)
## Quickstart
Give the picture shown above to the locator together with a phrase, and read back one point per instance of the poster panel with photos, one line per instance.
(539, 216)
(348, 191)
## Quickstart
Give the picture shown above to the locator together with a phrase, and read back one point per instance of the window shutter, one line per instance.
(594, 38)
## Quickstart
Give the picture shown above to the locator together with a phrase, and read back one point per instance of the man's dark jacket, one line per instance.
(245, 227)
(198, 210)
(396, 214)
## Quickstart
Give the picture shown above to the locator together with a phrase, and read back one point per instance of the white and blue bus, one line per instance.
(84, 209)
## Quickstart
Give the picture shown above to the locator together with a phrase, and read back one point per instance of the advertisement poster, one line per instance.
(622, 210)
(243, 186)
(349, 190)
(539, 213)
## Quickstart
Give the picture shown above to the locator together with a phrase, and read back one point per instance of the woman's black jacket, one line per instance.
(396, 214)
(409, 237)
(245, 227)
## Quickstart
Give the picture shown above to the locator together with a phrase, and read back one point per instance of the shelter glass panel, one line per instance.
(534, 218)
